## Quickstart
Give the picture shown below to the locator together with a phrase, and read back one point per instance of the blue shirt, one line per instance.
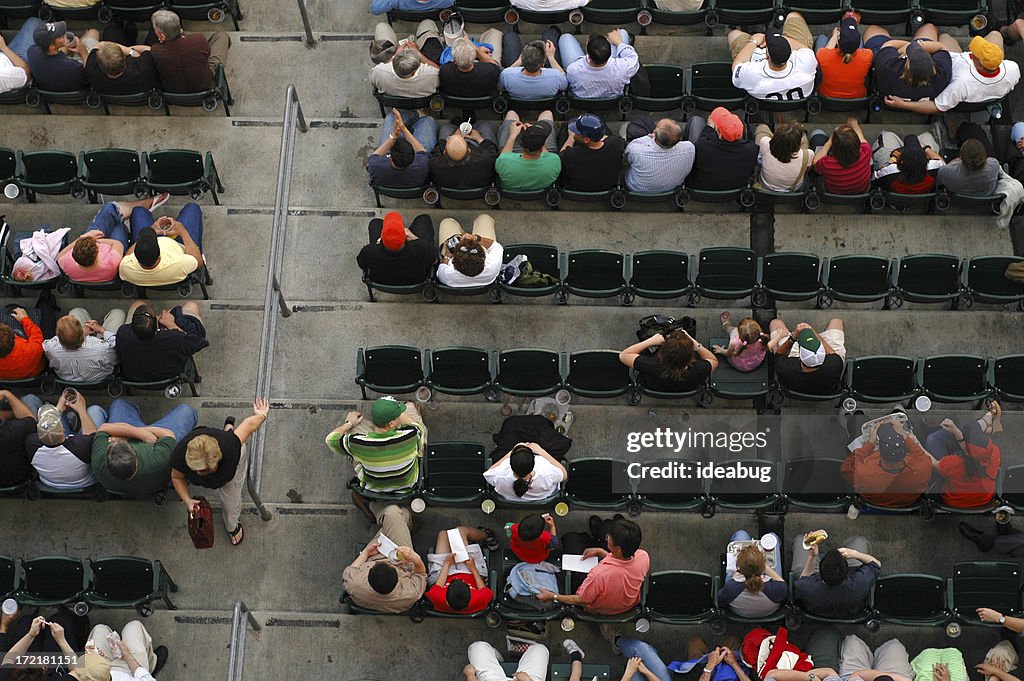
(382, 6)
(548, 84)
(845, 600)
(414, 175)
(605, 81)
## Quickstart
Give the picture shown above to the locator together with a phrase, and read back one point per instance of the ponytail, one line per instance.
(754, 584)
(520, 486)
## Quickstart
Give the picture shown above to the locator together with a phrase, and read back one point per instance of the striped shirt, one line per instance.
(384, 462)
(653, 168)
(93, 362)
(609, 80)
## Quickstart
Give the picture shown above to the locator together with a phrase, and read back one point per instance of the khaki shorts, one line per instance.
(794, 28)
(836, 339)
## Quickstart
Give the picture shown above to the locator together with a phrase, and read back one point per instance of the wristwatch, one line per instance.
(1002, 619)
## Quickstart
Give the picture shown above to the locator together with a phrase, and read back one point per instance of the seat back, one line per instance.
(453, 472)
(680, 595)
(668, 85)
(726, 271)
(597, 373)
(395, 368)
(459, 370)
(657, 274)
(542, 257)
(528, 371)
(929, 276)
(669, 493)
(744, 492)
(51, 580)
(864, 277)
(985, 277)
(1013, 486)
(9, 577)
(597, 481)
(955, 377)
(112, 166)
(882, 378)
(1008, 376)
(744, 11)
(595, 273)
(910, 597)
(985, 584)
(710, 85)
(174, 167)
(124, 579)
(8, 164)
(952, 12)
(818, 11)
(791, 274)
(884, 11)
(814, 482)
(48, 168)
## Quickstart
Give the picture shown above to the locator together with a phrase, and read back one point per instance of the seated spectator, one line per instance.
(39, 253)
(841, 584)
(537, 428)
(548, 5)
(606, 68)
(844, 63)
(915, 70)
(906, 166)
(748, 344)
(95, 256)
(156, 258)
(469, 259)
(384, 6)
(114, 69)
(485, 661)
(390, 584)
(83, 350)
(529, 155)
(156, 348)
(785, 158)
(135, 652)
(186, 63)
(679, 5)
(396, 254)
(527, 473)
(889, 659)
(401, 158)
(658, 160)
(21, 349)
(527, 77)
(614, 585)
(677, 363)
(463, 161)
(974, 172)
(386, 455)
(61, 458)
(218, 458)
(62, 632)
(591, 156)
(459, 588)
(806, 361)
(130, 457)
(723, 159)
(14, 69)
(56, 63)
(889, 468)
(534, 538)
(17, 422)
(755, 589)
(473, 71)
(968, 459)
(410, 72)
(843, 161)
(775, 66)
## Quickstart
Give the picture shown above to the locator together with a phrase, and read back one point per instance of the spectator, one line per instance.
(677, 363)
(748, 344)
(775, 66)
(889, 659)
(157, 348)
(806, 361)
(968, 459)
(548, 5)
(114, 69)
(907, 166)
(485, 661)
(56, 63)
(186, 63)
(60, 632)
(785, 158)
(722, 158)
(384, 6)
(83, 351)
(21, 350)
(135, 652)
(458, 588)
(218, 459)
(529, 154)
(473, 70)
(464, 161)
(14, 70)
(17, 422)
(410, 72)
(841, 585)
(61, 458)
(398, 255)
(386, 456)
(844, 63)
(526, 473)
(534, 538)
(95, 256)
(915, 70)
(658, 160)
(889, 468)
(843, 160)
(39, 252)
(591, 156)
(401, 158)
(973, 173)
(679, 5)
(614, 585)
(469, 259)
(390, 584)
(527, 77)
(755, 589)
(156, 258)
(605, 69)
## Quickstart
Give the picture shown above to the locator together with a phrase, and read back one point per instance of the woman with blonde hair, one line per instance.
(218, 459)
(755, 589)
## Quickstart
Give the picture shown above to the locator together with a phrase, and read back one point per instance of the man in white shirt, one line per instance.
(14, 71)
(469, 259)
(778, 66)
(410, 72)
(606, 68)
(83, 349)
(133, 657)
(548, 5)
(63, 461)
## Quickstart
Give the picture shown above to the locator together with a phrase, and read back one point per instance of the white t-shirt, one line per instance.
(11, 77)
(777, 176)
(60, 469)
(796, 81)
(967, 85)
(449, 276)
(545, 480)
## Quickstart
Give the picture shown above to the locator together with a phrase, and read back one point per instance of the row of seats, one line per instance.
(132, 10)
(114, 582)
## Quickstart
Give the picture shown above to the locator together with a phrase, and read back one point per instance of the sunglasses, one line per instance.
(473, 250)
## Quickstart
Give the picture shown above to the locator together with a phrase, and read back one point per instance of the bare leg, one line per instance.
(835, 323)
(191, 308)
(696, 647)
(577, 671)
(1014, 31)
(928, 31)
(872, 31)
(950, 43)
(996, 38)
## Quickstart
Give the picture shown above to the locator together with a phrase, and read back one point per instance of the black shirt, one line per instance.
(822, 381)
(593, 170)
(231, 452)
(15, 464)
(406, 267)
(718, 164)
(159, 358)
(482, 81)
(57, 73)
(888, 66)
(475, 170)
(139, 76)
(79, 445)
(651, 373)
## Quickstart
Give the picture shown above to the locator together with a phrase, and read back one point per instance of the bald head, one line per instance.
(455, 147)
(667, 133)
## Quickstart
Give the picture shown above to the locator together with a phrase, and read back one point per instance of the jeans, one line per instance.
(110, 221)
(180, 420)
(190, 216)
(20, 43)
(1016, 132)
(423, 128)
(512, 46)
(822, 40)
(630, 647)
(743, 535)
(96, 413)
(570, 50)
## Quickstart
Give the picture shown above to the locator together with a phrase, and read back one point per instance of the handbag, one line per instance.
(200, 525)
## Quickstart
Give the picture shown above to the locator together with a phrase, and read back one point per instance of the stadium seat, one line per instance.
(688, 494)
(482, 11)
(10, 251)
(48, 172)
(389, 369)
(856, 279)
(678, 18)
(10, 576)
(572, 582)
(737, 494)
(597, 373)
(52, 580)
(182, 172)
(593, 273)
(730, 383)
(984, 584)
(945, 199)
(612, 12)
(730, 616)
(459, 371)
(926, 278)
(19, 9)
(543, 259)
(404, 193)
(133, 10)
(1012, 492)
(601, 672)
(911, 600)
(660, 275)
(453, 473)
(954, 378)
(597, 483)
(724, 273)
(984, 281)
(709, 85)
(743, 12)
(8, 166)
(799, 612)
(814, 484)
(788, 277)
(128, 582)
(881, 379)
(528, 372)
(112, 171)
(219, 93)
(680, 597)
(171, 386)
(426, 288)
(511, 609)
(668, 82)
(884, 12)
(1007, 377)
(818, 11)
(952, 12)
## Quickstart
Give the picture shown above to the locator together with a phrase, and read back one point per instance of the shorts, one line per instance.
(836, 339)
(435, 562)
(794, 28)
(188, 323)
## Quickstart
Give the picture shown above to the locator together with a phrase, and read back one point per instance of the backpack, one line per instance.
(531, 278)
(526, 580)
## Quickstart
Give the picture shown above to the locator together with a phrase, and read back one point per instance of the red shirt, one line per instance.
(843, 80)
(479, 599)
(960, 491)
(614, 586)
(842, 180)
(530, 551)
(926, 185)
(26, 359)
(879, 487)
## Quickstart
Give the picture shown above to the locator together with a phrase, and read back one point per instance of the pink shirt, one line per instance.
(105, 268)
(614, 585)
(750, 357)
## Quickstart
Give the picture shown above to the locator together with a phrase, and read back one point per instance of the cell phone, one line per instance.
(545, 516)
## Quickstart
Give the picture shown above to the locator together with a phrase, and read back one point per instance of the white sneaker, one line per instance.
(572, 647)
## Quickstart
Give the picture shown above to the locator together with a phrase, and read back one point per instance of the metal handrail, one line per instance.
(310, 42)
(236, 661)
(292, 120)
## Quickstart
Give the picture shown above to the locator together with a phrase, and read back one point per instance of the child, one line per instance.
(747, 343)
(533, 539)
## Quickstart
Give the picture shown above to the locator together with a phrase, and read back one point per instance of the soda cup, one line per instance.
(561, 509)
(10, 607)
(417, 505)
(508, 529)
(466, 128)
(487, 506)
(568, 624)
(643, 625)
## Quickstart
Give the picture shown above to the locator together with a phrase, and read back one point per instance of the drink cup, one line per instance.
(12, 190)
(487, 506)
(561, 509)
(568, 624)
(849, 405)
(417, 505)
(769, 542)
(643, 625)
(563, 397)
(466, 128)
(923, 403)
(10, 607)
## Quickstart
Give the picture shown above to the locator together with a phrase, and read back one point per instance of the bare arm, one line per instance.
(128, 431)
(513, 134)
(485, 56)
(15, 59)
(748, 49)
(186, 240)
(818, 155)
(17, 406)
(629, 355)
(540, 451)
(261, 407)
(923, 107)
(549, 50)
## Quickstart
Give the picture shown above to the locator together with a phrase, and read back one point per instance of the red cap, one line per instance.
(392, 236)
(728, 124)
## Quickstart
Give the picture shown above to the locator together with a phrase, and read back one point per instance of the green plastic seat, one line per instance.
(856, 279)
(730, 383)
(815, 484)
(389, 369)
(10, 576)
(668, 82)
(482, 11)
(511, 609)
(453, 473)
(818, 11)
(597, 373)
(593, 273)
(459, 371)
(927, 278)
(709, 85)
(134, 10)
(688, 494)
(182, 172)
(189, 374)
(10, 251)
(544, 259)
(730, 616)
(680, 597)
(612, 12)
(911, 600)
(219, 93)
(8, 165)
(984, 584)
(52, 580)
(661, 274)
(884, 11)
(745, 494)
(789, 276)
(1012, 492)
(48, 172)
(1007, 377)
(571, 582)
(678, 18)
(798, 610)
(129, 582)
(112, 171)
(733, 12)
(597, 483)
(403, 193)
(952, 12)
(204, 10)
(882, 379)
(983, 281)
(601, 672)
(44, 98)
(954, 378)
(19, 8)
(529, 372)
(726, 273)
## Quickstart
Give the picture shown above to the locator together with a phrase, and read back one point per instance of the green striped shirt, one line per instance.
(384, 462)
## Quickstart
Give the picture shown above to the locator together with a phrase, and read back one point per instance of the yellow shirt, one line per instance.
(174, 266)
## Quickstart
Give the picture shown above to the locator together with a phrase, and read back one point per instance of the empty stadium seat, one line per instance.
(389, 369)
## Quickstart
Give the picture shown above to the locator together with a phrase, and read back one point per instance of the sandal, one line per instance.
(724, 318)
(159, 200)
(237, 531)
(229, 423)
(491, 541)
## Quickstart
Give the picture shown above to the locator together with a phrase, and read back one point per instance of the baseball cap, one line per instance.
(891, 445)
(386, 409)
(392, 235)
(989, 55)
(533, 137)
(45, 34)
(812, 353)
(913, 161)
(849, 35)
(48, 425)
(779, 48)
(589, 125)
(921, 65)
(728, 124)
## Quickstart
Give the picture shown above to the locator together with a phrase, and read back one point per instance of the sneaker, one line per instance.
(161, 654)
(491, 540)
(609, 634)
(572, 647)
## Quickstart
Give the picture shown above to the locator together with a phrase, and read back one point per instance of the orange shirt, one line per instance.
(843, 81)
(614, 586)
(879, 487)
(960, 491)
(26, 359)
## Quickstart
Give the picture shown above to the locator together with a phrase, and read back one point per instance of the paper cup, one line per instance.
(769, 542)
(423, 394)
(487, 506)
(418, 505)
(10, 607)
(12, 190)
(561, 509)
(563, 397)
(923, 403)
(568, 624)
(643, 625)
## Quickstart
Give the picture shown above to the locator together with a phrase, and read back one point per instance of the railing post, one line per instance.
(310, 41)
(239, 628)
